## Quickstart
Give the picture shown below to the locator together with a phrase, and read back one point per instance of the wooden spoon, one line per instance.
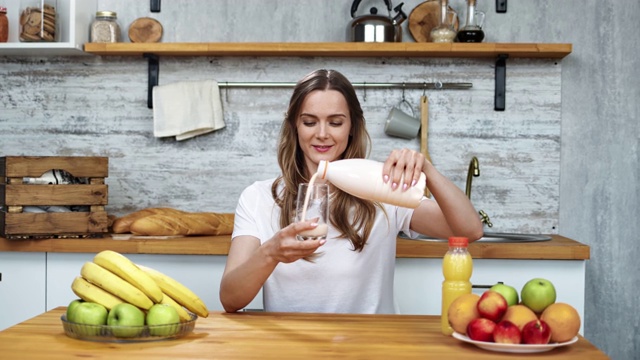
(424, 133)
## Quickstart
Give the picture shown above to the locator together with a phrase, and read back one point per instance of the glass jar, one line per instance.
(445, 31)
(4, 25)
(38, 21)
(105, 28)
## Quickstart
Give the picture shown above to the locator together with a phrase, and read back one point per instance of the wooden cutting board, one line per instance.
(145, 30)
(425, 17)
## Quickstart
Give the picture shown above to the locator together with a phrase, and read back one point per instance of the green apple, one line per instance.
(163, 320)
(509, 292)
(537, 294)
(72, 307)
(126, 320)
(91, 314)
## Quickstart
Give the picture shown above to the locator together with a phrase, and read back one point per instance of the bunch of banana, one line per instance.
(178, 292)
(112, 278)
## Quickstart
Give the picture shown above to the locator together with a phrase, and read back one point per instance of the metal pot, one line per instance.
(374, 27)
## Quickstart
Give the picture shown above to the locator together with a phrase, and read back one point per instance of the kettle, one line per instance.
(374, 27)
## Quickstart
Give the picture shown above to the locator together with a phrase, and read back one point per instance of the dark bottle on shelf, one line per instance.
(470, 36)
(472, 29)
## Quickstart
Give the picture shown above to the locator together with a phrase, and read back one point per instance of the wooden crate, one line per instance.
(15, 194)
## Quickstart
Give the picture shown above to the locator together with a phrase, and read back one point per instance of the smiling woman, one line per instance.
(352, 270)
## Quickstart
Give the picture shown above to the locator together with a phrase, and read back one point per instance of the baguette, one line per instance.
(122, 225)
(203, 223)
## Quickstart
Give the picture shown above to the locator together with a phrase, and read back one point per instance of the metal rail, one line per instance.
(403, 85)
(154, 70)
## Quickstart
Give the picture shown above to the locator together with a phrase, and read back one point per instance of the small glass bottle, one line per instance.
(38, 21)
(457, 267)
(444, 32)
(4, 25)
(105, 28)
(472, 30)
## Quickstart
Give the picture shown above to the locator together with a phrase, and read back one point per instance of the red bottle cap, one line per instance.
(3, 9)
(458, 241)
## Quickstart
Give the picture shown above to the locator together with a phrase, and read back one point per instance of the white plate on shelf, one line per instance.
(511, 348)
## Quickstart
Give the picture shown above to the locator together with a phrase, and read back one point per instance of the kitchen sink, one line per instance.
(491, 237)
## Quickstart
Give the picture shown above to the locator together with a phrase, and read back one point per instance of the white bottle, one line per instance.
(363, 178)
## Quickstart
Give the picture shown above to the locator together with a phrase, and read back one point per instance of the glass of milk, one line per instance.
(312, 203)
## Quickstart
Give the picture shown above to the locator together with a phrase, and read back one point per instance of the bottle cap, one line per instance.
(112, 14)
(3, 9)
(458, 241)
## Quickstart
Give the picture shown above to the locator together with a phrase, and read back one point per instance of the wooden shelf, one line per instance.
(499, 51)
(339, 49)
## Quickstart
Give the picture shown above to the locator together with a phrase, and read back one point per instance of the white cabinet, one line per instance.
(418, 282)
(32, 283)
(74, 18)
(201, 273)
(22, 286)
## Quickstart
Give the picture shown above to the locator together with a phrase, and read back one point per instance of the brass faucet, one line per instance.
(474, 171)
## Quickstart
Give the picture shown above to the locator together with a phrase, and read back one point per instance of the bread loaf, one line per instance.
(122, 225)
(203, 223)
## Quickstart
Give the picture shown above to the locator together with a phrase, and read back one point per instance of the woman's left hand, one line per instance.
(403, 167)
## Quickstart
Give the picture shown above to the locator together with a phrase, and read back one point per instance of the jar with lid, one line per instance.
(4, 25)
(105, 28)
(38, 21)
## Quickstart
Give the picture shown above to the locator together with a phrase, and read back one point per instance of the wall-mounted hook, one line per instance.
(364, 97)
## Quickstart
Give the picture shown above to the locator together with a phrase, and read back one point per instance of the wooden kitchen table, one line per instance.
(262, 335)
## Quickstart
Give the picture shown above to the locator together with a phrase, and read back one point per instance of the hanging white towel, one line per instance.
(187, 109)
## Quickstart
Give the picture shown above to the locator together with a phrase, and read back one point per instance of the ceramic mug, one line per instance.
(400, 124)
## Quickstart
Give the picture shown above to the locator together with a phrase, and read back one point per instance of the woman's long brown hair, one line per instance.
(352, 216)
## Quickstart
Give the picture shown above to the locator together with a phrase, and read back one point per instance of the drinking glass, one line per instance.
(313, 204)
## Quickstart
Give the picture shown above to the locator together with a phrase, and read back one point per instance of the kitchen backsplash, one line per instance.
(97, 106)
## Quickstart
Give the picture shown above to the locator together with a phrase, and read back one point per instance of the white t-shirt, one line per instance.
(340, 280)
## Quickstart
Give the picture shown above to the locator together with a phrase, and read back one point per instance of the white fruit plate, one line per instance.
(106, 333)
(511, 348)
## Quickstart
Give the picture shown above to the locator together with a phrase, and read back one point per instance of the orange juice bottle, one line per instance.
(457, 266)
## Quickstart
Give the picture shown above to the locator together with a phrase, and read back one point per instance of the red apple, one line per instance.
(536, 332)
(507, 332)
(481, 329)
(492, 305)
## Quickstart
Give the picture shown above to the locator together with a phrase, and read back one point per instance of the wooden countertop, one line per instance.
(558, 248)
(273, 336)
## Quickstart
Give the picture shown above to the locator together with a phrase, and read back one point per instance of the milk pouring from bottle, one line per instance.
(363, 178)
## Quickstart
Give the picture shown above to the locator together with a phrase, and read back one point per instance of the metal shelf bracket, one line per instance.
(501, 82)
(154, 75)
(155, 6)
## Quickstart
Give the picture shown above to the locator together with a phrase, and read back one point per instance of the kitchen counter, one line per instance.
(558, 248)
(273, 336)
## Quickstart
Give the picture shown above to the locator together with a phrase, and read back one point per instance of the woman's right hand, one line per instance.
(284, 247)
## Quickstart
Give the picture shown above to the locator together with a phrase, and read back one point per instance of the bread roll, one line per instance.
(204, 223)
(122, 225)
